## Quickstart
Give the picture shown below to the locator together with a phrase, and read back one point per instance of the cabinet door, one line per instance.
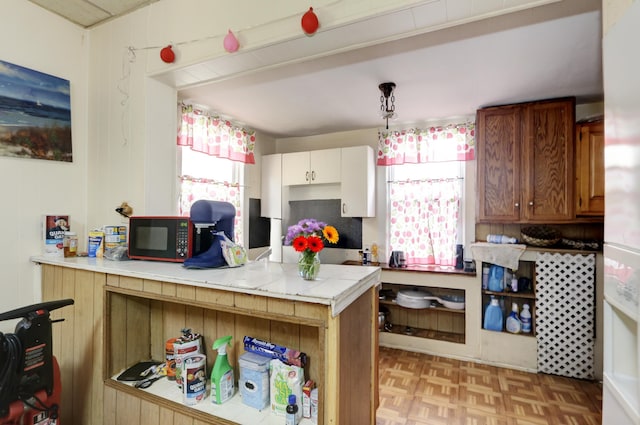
(548, 184)
(590, 169)
(357, 187)
(295, 168)
(271, 186)
(499, 141)
(325, 166)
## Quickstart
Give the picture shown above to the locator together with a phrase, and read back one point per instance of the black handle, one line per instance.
(24, 311)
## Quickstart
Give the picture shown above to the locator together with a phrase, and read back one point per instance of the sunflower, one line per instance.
(330, 233)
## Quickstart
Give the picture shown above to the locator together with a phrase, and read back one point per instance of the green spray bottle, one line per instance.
(222, 379)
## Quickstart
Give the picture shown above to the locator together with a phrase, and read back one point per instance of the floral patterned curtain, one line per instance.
(194, 189)
(433, 144)
(214, 136)
(422, 220)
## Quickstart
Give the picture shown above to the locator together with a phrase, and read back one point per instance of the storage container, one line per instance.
(254, 380)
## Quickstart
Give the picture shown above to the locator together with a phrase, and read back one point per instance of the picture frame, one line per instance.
(35, 114)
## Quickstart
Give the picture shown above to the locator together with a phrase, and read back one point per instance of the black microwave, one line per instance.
(161, 238)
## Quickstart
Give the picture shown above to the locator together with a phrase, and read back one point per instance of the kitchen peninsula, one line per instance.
(124, 312)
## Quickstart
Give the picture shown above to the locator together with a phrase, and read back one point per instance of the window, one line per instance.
(425, 203)
(208, 177)
(211, 157)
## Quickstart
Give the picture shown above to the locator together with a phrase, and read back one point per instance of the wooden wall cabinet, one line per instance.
(271, 186)
(312, 167)
(590, 168)
(357, 186)
(526, 162)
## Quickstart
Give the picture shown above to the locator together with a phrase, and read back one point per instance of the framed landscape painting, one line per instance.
(35, 114)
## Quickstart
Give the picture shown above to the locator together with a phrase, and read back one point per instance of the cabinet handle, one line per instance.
(517, 204)
(313, 175)
(530, 203)
(306, 176)
(344, 208)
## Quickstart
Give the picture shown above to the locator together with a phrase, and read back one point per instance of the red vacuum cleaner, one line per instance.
(30, 386)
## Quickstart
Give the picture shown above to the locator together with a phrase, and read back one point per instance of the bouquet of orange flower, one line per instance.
(307, 238)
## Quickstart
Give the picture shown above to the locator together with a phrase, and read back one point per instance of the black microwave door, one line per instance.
(157, 239)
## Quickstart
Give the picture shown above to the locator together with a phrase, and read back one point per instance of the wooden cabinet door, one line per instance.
(357, 189)
(295, 168)
(271, 186)
(312, 167)
(548, 164)
(590, 169)
(325, 166)
(499, 150)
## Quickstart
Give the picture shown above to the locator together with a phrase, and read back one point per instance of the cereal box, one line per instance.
(54, 227)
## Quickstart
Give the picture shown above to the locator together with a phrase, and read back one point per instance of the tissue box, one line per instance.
(254, 380)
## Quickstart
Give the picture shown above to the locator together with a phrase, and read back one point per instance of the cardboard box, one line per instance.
(54, 227)
(96, 244)
(306, 398)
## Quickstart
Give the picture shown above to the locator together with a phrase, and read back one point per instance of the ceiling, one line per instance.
(551, 51)
(87, 13)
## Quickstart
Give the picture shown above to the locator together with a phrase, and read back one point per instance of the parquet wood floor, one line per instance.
(421, 389)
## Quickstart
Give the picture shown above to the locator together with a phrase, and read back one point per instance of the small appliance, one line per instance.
(397, 259)
(192, 240)
(163, 238)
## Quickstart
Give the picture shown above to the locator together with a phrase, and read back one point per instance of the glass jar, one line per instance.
(70, 244)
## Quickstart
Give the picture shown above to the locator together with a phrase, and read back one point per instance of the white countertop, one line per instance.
(336, 286)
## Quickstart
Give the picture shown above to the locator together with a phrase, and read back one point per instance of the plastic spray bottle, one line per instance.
(514, 325)
(222, 379)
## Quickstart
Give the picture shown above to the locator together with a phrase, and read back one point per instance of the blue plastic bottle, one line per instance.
(493, 316)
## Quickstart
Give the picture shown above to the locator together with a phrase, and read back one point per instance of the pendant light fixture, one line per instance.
(387, 102)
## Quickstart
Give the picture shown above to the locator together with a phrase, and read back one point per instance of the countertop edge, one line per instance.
(338, 300)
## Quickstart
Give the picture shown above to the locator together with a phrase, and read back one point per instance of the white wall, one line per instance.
(29, 188)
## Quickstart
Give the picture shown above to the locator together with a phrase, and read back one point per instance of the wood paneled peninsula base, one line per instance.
(125, 311)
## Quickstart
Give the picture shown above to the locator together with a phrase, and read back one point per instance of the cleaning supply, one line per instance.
(493, 316)
(496, 278)
(514, 325)
(222, 380)
(525, 318)
(292, 410)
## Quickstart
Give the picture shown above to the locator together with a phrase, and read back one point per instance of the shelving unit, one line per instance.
(435, 330)
(435, 322)
(508, 297)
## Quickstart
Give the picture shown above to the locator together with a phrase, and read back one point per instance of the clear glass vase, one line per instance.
(308, 265)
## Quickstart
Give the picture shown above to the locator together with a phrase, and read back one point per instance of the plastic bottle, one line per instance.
(485, 276)
(496, 278)
(501, 239)
(493, 316)
(222, 379)
(514, 325)
(525, 318)
(292, 410)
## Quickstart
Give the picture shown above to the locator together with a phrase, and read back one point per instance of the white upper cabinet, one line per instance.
(358, 182)
(313, 167)
(271, 186)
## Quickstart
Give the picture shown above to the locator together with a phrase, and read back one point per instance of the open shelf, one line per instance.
(527, 295)
(426, 333)
(426, 310)
(165, 392)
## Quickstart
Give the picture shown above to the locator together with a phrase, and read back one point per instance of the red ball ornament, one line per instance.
(309, 22)
(167, 55)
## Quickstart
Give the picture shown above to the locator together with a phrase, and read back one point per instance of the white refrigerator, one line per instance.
(621, 67)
